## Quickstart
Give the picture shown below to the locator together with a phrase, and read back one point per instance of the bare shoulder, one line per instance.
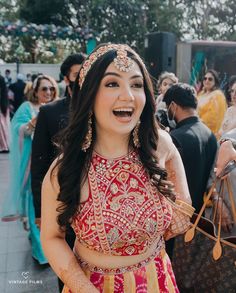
(50, 180)
(164, 137)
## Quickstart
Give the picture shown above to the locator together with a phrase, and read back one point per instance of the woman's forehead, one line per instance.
(209, 74)
(135, 70)
(45, 81)
(167, 80)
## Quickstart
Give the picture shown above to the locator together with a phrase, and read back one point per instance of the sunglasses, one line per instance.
(46, 88)
(208, 78)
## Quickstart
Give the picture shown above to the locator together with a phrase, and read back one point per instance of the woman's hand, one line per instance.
(226, 154)
(33, 121)
(167, 188)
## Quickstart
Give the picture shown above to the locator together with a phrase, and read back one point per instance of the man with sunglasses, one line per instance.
(52, 118)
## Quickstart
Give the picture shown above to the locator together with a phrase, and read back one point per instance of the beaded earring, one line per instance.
(88, 138)
(135, 135)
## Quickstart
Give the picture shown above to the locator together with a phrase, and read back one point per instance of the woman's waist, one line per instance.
(97, 261)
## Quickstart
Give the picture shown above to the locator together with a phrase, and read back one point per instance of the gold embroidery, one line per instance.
(98, 212)
(124, 209)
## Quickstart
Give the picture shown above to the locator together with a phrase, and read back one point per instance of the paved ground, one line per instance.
(19, 272)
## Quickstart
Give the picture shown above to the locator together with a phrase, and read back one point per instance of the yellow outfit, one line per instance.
(211, 109)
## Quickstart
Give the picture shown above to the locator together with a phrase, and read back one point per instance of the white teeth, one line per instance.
(124, 110)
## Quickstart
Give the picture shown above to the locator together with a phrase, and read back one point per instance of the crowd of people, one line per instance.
(106, 176)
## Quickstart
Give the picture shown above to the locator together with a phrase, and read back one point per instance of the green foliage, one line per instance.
(207, 19)
(165, 15)
(125, 21)
(119, 21)
(226, 20)
(45, 11)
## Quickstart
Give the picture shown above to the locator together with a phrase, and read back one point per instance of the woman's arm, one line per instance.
(227, 153)
(181, 210)
(229, 121)
(57, 251)
(174, 166)
(28, 128)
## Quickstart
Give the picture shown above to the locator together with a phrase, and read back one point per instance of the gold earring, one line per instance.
(88, 138)
(135, 135)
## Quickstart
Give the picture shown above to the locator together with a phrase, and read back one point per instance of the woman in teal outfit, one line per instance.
(18, 203)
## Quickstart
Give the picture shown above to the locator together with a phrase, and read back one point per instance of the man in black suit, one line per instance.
(195, 142)
(52, 118)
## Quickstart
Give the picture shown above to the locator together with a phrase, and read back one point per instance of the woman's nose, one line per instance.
(126, 94)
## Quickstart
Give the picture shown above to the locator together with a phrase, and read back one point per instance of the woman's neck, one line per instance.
(208, 91)
(112, 147)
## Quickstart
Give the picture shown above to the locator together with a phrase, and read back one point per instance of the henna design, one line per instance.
(75, 278)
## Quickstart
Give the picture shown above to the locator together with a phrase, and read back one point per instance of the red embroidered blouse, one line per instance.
(124, 214)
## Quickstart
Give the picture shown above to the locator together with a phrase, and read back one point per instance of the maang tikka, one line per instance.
(122, 61)
(135, 135)
(88, 138)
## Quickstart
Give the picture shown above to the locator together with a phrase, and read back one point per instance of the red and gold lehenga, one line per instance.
(123, 216)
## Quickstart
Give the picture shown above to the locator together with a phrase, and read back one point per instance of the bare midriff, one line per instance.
(104, 261)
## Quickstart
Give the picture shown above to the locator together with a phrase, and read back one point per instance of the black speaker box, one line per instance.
(160, 52)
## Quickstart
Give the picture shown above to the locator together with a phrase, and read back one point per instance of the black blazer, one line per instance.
(197, 146)
(52, 118)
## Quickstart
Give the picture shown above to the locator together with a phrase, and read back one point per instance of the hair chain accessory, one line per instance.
(122, 61)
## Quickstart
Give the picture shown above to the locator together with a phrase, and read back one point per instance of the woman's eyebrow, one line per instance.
(112, 73)
(118, 75)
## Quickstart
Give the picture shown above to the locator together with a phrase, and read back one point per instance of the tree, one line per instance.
(9, 10)
(115, 21)
(129, 20)
(165, 15)
(46, 12)
(226, 23)
(206, 19)
(125, 21)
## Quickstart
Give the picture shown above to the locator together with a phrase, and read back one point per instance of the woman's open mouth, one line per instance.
(123, 112)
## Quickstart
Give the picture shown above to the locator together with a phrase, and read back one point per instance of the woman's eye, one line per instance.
(111, 84)
(138, 85)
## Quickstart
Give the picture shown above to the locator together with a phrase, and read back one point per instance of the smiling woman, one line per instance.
(111, 183)
(211, 102)
(119, 102)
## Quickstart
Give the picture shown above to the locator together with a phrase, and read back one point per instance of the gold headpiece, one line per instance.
(122, 61)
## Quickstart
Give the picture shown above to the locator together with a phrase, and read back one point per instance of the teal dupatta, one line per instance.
(18, 202)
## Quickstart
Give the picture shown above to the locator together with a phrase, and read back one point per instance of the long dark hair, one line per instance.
(73, 164)
(228, 86)
(4, 102)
